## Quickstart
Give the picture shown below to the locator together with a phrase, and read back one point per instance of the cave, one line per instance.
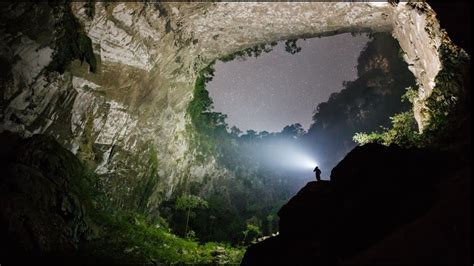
(99, 96)
(288, 88)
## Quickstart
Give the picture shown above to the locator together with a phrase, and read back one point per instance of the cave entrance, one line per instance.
(268, 163)
(318, 92)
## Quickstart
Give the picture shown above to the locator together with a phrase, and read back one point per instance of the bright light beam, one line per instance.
(308, 163)
(291, 156)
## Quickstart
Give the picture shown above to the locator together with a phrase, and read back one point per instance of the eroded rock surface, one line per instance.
(131, 112)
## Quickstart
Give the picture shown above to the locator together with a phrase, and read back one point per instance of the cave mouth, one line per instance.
(296, 90)
(151, 158)
(267, 168)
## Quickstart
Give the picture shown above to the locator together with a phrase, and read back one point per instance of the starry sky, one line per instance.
(278, 89)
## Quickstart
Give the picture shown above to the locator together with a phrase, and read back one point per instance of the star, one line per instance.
(278, 89)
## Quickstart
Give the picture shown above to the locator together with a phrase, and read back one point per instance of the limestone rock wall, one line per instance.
(128, 120)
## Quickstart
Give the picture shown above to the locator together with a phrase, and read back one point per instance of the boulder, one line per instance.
(379, 201)
(41, 203)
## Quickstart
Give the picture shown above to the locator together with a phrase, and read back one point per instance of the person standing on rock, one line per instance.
(317, 171)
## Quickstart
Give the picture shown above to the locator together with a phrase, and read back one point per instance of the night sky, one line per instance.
(278, 89)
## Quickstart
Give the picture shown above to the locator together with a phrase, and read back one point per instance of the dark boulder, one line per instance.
(311, 208)
(41, 199)
(374, 192)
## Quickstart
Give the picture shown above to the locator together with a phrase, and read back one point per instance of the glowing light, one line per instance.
(309, 163)
(305, 162)
(290, 156)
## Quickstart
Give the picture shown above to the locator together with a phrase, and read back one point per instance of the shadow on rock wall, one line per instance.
(42, 211)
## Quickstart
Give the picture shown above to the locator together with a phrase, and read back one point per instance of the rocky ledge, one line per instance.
(382, 205)
(42, 202)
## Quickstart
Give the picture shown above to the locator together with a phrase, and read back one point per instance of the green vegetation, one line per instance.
(291, 47)
(208, 124)
(403, 130)
(105, 235)
(449, 103)
(257, 50)
(446, 111)
(71, 42)
(187, 203)
(145, 189)
(254, 51)
(251, 232)
(86, 146)
(120, 237)
(129, 238)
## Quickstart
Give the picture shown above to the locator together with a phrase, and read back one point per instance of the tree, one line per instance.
(270, 219)
(252, 230)
(291, 47)
(235, 131)
(293, 131)
(263, 134)
(254, 51)
(250, 135)
(187, 203)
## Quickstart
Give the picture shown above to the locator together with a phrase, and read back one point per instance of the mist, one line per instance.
(362, 104)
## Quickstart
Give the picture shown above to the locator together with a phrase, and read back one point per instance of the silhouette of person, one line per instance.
(318, 173)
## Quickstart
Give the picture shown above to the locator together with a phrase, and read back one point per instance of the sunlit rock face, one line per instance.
(128, 120)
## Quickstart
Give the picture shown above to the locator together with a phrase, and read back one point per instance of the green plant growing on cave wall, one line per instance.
(208, 126)
(128, 237)
(86, 145)
(403, 130)
(448, 105)
(254, 51)
(447, 108)
(257, 50)
(291, 46)
(145, 190)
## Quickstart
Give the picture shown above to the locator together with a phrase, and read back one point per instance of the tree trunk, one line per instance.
(187, 220)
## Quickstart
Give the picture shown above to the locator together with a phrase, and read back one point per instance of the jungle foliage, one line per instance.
(130, 237)
(447, 110)
(257, 50)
